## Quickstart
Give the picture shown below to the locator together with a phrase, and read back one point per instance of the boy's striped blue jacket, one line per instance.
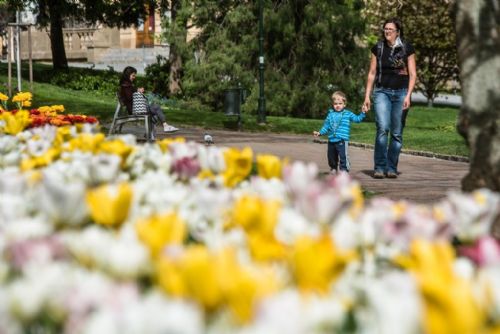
(337, 124)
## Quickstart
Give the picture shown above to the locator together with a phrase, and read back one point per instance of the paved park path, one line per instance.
(422, 179)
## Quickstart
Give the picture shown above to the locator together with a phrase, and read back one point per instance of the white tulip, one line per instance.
(104, 168)
(62, 201)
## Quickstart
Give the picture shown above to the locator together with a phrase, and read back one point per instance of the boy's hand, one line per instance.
(316, 133)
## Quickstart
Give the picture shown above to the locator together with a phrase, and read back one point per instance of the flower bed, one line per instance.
(102, 235)
(15, 121)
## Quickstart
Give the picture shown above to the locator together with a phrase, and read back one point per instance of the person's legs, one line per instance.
(332, 156)
(156, 111)
(342, 152)
(396, 130)
(382, 106)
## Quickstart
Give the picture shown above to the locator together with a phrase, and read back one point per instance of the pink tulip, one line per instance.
(485, 251)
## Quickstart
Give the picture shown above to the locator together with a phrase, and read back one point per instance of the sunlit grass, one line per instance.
(427, 129)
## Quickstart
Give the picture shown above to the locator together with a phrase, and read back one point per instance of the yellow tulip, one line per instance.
(3, 97)
(216, 280)
(238, 165)
(315, 263)
(165, 143)
(206, 174)
(44, 109)
(116, 147)
(449, 303)
(244, 287)
(15, 123)
(22, 97)
(86, 142)
(160, 230)
(258, 218)
(268, 166)
(358, 200)
(41, 161)
(109, 204)
(63, 134)
(256, 214)
(193, 275)
(265, 248)
(57, 108)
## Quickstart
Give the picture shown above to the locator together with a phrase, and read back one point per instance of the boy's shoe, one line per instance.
(333, 171)
(392, 175)
(378, 175)
(170, 128)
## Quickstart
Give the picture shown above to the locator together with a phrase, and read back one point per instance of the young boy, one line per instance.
(337, 126)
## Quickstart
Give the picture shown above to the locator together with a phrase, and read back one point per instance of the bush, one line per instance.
(101, 82)
(104, 84)
(158, 76)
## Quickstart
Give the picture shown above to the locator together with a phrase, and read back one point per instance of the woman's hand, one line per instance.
(315, 133)
(407, 102)
(366, 106)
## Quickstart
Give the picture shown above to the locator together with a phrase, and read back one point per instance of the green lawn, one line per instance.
(427, 129)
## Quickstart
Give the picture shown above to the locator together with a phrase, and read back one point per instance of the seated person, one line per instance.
(127, 89)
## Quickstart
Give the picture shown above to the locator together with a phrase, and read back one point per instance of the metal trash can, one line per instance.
(232, 102)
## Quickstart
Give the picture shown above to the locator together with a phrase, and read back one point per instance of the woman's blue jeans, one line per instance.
(388, 104)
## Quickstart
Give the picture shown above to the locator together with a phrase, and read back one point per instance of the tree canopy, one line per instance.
(429, 26)
(53, 14)
(311, 49)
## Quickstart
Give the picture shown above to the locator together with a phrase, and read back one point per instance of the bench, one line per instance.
(121, 117)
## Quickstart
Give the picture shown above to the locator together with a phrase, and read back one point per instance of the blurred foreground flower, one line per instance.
(238, 165)
(109, 204)
(450, 306)
(316, 262)
(224, 280)
(269, 166)
(159, 231)
(180, 237)
(13, 123)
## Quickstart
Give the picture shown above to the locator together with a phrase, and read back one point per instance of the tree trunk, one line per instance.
(59, 60)
(174, 84)
(478, 43)
(175, 59)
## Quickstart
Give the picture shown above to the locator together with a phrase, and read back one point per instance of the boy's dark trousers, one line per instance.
(337, 154)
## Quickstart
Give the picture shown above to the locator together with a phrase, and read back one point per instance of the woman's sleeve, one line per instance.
(126, 92)
(409, 49)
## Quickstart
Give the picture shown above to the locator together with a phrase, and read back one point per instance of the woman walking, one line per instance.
(391, 76)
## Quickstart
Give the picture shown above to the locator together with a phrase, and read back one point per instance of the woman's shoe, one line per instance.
(392, 175)
(169, 128)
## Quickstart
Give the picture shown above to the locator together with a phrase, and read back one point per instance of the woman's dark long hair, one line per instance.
(397, 23)
(127, 71)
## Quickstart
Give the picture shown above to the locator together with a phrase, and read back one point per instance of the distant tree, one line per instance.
(311, 48)
(53, 13)
(175, 33)
(428, 25)
(4, 20)
(477, 24)
(432, 32)
(314, 48)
